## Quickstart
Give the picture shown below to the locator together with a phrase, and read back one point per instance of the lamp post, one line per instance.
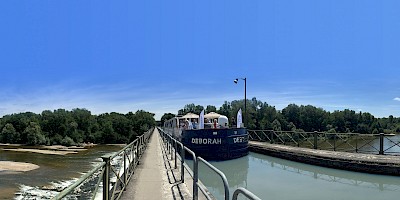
(245, 98)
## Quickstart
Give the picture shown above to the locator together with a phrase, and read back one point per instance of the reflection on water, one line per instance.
(54, 169)
(236, 171)
(274, 178)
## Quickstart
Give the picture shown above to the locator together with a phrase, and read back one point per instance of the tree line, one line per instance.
(73, 127)
(261, 115)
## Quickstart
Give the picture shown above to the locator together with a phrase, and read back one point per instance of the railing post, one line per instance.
(381, 138)
(125, 171)
(195, 179)
(334, 142)
(170, 146)
(315, 140)
(183, 163)
(358, 135)
(176, 147)
(106, 177)
(140, 146)
(137, 152)
(272, 137)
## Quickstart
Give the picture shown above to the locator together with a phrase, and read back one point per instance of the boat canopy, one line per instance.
(212, 115)
(190, 116)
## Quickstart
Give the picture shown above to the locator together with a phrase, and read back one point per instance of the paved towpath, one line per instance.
(155, 176)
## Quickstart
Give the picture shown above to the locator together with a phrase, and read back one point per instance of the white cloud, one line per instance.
(397, 99)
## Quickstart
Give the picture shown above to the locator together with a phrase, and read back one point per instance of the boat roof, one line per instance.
(212, 115)
(190, 115)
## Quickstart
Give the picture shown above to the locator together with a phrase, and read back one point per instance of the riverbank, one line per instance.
(368, 163)
(50, 150)
(10, 167)
(53, 170)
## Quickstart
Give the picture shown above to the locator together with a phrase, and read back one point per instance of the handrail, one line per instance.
(245, 192)
(167, 138)
(195, 174)
(221, 174)
(130, 159)
(80, 181)
(348, 142)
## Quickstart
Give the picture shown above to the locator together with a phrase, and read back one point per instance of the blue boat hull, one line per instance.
(217, 144)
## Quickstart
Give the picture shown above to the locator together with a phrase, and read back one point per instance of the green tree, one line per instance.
(67, 141)
(276, 125)
(143, 121)
(191, 108)
(292, 114)
(210, 108)
(34, 134)
(166, 117)
(291, 126)
(9, 134)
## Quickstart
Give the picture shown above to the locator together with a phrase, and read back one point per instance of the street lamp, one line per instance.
(245, 98)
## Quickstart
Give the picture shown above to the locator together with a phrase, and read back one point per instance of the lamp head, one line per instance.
(236, 81)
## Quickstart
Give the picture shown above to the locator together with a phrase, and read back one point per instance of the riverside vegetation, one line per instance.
(261, 115)
(62, 127)
(79, 125)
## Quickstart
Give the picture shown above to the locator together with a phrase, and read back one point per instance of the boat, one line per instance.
(217, 140)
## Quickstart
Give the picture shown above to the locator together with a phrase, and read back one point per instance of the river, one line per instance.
(54, 171)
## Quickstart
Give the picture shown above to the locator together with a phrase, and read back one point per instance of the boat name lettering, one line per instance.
(206, 141)
(239, 139)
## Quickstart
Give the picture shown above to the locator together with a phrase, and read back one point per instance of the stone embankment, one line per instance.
(369, 163)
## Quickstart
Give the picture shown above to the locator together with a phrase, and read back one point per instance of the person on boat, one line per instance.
(190, 125)
(194, 124)
(215, 123)
(233, 122)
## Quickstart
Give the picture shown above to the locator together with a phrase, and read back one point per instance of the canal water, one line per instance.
(274, 178)
(55, 171)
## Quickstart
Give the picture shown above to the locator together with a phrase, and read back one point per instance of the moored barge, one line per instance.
(209, 136)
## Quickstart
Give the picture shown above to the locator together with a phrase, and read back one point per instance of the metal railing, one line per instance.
(171, 144)
(381, 143)
(245, 192)
(220, 174)
(112, 175)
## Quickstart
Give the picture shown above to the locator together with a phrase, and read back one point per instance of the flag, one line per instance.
(239, 118)
(201, 120)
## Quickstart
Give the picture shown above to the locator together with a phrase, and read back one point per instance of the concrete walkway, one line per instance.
(154, 177)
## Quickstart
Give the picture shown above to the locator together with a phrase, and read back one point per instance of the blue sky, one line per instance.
(160, 55)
